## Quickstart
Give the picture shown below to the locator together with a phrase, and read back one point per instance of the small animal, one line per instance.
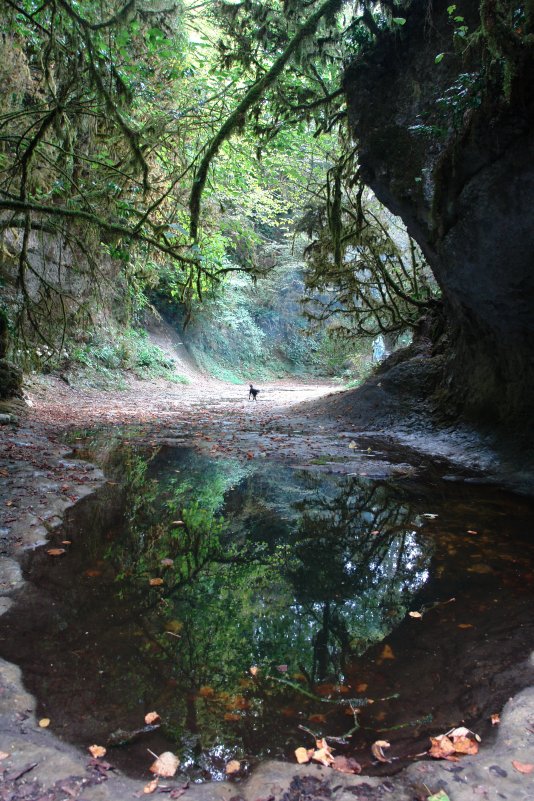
(252, 393)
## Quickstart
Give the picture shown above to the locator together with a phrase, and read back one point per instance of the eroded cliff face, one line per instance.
(455, 159)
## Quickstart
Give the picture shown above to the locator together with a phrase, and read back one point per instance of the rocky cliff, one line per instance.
(443, 109)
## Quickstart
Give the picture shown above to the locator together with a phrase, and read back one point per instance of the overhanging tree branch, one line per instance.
(254, 94)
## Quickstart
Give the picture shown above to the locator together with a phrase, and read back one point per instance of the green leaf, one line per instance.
(399, 20)
(441, 795)
(451, 9)
(439, 58)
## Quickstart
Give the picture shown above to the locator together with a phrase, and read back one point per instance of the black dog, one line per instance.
(252, 393)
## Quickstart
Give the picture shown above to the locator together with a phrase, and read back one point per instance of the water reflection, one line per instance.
(191, 570)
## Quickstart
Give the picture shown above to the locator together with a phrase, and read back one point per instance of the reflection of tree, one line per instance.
(231, 595)
(358, 561)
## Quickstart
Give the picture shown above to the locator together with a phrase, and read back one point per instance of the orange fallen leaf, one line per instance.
(151, 787)
(303, 755)
(387, 652)
(56, 551)
(495, 719)
(234, 766)
(165, 765)
(97, 751)
(465, 625)
(155, 582)
(206, 692)
(151, 718)
(92, 573)
(254, 670)
(522, 767)
(442, 748)
(377, 750)
(44, 723)
(465, 745)
(361, 688)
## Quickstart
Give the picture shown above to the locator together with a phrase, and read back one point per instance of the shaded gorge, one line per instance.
(185, 571)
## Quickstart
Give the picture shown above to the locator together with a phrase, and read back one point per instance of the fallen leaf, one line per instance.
(303, 755)
(234, 766)
(465, 745)
(97, 751)
(465, 625)
(415, 614)
(206, 692)
(4, 755)
(361, 688)
(152, 718)
(346, 764)
(387, 653)
(377, 752)
(442, 748)
(151, 787)
(44, 723)
(324, 756)
(66, 542)
(92, 573)
(155, 582)
(165, 765)
(495, 719)
(522, 767)
(56, 551)
(254, 670)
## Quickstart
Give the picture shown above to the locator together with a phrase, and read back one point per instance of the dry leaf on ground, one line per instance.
(151, 787)
(155, 582)
(234, 766)
(346, 764)
(165, 765)
(44, 723)
(442, 748)
(324, 756)
(151, 718)
(415, 614)
(56, 551)
(377, 752)
(303, 755)
(522, 767)
(254, 670)
(495, 719)
(97, 751)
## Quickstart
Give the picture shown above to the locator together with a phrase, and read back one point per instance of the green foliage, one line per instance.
(129, 350)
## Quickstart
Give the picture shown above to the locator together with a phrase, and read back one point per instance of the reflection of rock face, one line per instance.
(461, 175)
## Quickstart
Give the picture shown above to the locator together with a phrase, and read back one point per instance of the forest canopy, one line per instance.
(175, 137)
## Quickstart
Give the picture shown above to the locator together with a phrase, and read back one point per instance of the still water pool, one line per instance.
(253, 604)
